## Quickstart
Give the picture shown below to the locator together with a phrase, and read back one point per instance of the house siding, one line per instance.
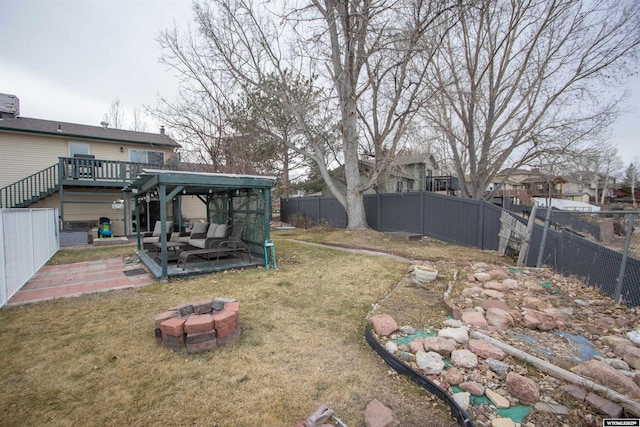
(22, 155)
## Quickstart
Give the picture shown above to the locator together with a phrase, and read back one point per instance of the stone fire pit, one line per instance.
(199, 326)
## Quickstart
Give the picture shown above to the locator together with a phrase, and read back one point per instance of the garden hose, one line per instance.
(458, 413)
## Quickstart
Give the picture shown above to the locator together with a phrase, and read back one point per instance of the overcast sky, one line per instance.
(68, 60)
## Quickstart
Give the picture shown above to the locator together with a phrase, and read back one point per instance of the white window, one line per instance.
(147, 157)
(81, 148)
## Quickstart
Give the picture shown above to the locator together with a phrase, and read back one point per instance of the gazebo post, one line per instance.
(162, 192)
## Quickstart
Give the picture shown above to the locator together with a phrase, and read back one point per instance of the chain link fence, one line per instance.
(600, 248)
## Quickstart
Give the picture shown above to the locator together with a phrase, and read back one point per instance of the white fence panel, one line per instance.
(28, 239)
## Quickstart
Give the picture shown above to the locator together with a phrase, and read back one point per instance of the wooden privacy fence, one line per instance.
(28, 239)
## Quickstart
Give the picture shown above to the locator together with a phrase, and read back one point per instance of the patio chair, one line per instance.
(198, 230)
(149, 238)
(231, 245)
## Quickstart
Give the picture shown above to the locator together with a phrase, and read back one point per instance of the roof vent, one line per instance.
(104, 124)
(161, 130)
(59, 128)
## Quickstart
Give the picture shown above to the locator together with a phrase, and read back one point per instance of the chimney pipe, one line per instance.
(161, 130)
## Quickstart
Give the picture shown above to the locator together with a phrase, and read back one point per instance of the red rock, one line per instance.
(384, 324)
(198, 323)
(442, 346)
(474, 319)
(454, 376)
(377, 415)
(608, 376)
(482, 277)
(173, 326)
(472, 387)
(486, 350)
(631, 355)
(522, 388)
(499, 318)
(416, 346)
(534, 319)
(610, 409)
(533, 303)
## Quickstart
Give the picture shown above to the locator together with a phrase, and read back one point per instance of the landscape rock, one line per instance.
(610, 409)
(415, 346)
(442, 346)
(481, 266)
(497, 286)
(431, 363)
(462, 399)
(486, 350)
(499, 318)
(634, 336)
(617, 364)
(472, 387)
(497, 366)
(552, 408)
(459, 335)
(498, 274)
(384, 325)
(534, 319)
(474, 319)
(502, 422)
(471, 292)
(616, 343)
(482, 277)
(453, 323)
(513, 284)
(407, 330)
(377, 415)
(533, 303)
(391, 347)
(492, 294)
(464, 358)
(522, 388)
(454, 376)
(498, 400)
(607, 376)
(631, 355)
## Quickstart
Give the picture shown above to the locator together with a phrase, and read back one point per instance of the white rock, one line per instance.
(463, 400)
(453, 323)
(464, 358)
(460, 335)
(430, 362)
(391, 346)
(634, 336)
(502, 422)
(496, 399)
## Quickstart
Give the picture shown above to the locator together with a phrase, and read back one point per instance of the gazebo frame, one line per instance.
(172, 185)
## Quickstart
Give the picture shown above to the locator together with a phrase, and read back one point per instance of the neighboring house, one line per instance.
(79, 169)
(408, 173)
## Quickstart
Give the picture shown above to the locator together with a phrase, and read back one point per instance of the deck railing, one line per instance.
(71, 171)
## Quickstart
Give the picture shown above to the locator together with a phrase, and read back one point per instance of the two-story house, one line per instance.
(82, 170)
(407, 173)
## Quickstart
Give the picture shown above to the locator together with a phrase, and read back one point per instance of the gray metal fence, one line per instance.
(602, 249)
(447, 218)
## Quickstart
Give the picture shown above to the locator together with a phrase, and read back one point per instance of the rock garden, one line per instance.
(515, 346)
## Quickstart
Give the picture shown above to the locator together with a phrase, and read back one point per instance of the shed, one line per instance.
(226, 198)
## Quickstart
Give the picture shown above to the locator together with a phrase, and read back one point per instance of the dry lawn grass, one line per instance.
(93, 360)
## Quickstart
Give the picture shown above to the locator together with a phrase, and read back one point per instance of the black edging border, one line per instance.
(460, 415)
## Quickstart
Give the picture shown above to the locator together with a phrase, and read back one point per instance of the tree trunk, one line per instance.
(357, 219)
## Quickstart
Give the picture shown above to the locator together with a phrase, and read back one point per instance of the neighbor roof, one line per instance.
(74, 130)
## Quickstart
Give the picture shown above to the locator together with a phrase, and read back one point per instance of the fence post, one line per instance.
(4, 292)
(623, 264)
(543, 241)
(422, 212)
(481, 223)
(524, 248)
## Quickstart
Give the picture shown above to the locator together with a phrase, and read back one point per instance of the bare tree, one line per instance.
(351, 52)
(138, 124)
(517, 79)
(631, 177)
(115, 115)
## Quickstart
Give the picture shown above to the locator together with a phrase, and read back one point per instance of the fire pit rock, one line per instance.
(199, 326)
